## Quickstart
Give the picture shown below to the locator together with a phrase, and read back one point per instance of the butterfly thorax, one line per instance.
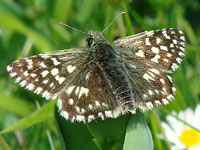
(107, 61)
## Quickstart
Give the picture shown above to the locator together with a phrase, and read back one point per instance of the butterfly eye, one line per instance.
(90, 41)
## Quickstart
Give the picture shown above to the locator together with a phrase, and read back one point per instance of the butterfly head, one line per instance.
(95, 37)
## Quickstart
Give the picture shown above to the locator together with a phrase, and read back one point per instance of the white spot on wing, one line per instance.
(33, 75)
(181, 53)
(90, 118)
(64, 114)
(70, 68)
(54, 71)
(108, 114)
(178, 60)
(182, 38)
(55, 62)
(9, 68)
(51, 85)
(43, 65)
(46, 94)
(30, 66)
(155, 59)
(71, 101)
(165, 102)
(158, 102)
(140, 53)
(44, 73)
(100, 114)
(149, 105)
(77, 109)
(147, 77)
(158, 40)
(171, 45)
(154, 71)
(82, 110)
(38, 90)
(59, 104)
(150, 92)
(181, 48)
(70, 89)
(45, 81)
(60, 79)
(162, 80)
(174, 66)
(169, 55)
(166, 60)
(173, 89)
(77, 90)
(164, 48)
(145, 96)
(174, 41)
(147, 41)
(18, 79)
(23, 83)
(83, 91)
(30, 87)
(170, 97)
(90, 106)
(80, 118)
(13, 74)
(155, 50)
(97, 103)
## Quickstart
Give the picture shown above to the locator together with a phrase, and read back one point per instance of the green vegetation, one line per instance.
(28, 121)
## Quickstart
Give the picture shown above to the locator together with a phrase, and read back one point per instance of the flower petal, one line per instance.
(197, 117)
(175, 124)
(171, 135)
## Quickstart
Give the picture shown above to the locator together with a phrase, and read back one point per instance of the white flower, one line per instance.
(180, 135)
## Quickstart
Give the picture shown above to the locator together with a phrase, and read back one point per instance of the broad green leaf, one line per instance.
(138, 135)
(110, 128)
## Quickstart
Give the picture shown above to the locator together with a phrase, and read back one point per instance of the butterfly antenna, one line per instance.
(121, 12)
(60, 22)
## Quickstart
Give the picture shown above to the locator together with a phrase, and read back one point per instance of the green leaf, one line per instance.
(138, 135)
(42, 114)
(16, 105)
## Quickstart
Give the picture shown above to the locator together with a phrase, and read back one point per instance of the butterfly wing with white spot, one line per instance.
(47, 74)
(161, 48)
(88, 97)
(150, 86)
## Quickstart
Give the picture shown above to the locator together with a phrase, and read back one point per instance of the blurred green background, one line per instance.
(26, 29)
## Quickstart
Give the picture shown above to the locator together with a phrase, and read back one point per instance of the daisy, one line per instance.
(181, 135)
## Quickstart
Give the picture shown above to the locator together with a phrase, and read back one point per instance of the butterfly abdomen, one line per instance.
(108, 62)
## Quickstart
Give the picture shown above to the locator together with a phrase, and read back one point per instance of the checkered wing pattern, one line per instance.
(150, 85)
(92, 97)
(49, 73)
(160, 48)
(147, 57)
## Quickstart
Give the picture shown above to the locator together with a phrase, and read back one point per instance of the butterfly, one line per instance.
(106, 79)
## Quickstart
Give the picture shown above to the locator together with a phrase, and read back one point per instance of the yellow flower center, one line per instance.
(190, 137)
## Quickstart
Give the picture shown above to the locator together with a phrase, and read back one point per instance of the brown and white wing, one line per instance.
(161, 48)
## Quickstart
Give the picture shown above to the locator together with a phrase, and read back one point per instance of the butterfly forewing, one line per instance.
(47, 74)
(161, 48)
